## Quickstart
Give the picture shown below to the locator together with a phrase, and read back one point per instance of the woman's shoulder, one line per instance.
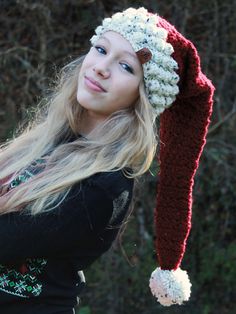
(113, 182)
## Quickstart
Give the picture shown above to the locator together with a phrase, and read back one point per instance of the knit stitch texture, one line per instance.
(183, 129)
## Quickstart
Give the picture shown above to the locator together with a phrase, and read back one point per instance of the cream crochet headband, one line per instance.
(149, 42)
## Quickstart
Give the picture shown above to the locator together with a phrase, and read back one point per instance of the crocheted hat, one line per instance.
(183, 96)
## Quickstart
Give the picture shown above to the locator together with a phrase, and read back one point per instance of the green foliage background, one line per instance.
(36, 39)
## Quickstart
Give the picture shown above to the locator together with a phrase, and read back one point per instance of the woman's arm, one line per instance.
(81, 216)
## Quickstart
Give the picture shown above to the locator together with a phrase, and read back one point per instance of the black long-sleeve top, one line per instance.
(41, 256)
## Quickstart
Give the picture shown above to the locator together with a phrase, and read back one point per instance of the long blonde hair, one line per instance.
(127, 139)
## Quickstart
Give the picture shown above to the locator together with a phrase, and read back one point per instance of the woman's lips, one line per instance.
(93, 85)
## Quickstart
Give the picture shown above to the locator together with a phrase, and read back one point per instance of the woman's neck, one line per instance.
(88, 123)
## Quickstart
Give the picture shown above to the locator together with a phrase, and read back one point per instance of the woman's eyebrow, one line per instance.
(123, 51)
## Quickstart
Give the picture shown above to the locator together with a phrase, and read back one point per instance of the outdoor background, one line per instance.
(39, 37)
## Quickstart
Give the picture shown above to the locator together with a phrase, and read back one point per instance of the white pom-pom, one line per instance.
(170, 286)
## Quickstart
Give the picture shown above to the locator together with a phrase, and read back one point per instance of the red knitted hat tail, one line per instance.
(183, 130)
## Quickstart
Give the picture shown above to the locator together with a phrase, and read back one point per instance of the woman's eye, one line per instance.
(127, 67)
(124, 65)
(100, 49)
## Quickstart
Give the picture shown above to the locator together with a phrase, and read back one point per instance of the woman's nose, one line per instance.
(102, 70)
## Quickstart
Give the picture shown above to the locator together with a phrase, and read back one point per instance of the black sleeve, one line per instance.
(83, 214)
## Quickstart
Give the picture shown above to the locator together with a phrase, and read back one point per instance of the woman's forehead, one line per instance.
(117, 40)
(119, 43)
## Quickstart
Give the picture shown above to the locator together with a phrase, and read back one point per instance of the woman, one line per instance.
(67, 180)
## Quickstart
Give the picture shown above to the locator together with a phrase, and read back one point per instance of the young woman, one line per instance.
(67, 179)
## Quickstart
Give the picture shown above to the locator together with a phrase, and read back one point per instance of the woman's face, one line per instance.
(109, 77)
